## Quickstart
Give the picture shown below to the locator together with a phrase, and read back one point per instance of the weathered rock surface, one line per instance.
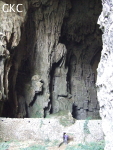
(10, 35)
(52, 50)
(83, 43)
(105, 73)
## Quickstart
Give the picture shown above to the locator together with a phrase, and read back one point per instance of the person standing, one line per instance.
(65, 138)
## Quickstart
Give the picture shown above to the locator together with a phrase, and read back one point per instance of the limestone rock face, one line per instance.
(105, 72)
(52, 50)
(10, 35)
(83, 41)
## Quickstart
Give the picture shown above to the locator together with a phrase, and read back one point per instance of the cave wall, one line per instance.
(105, 72)
(82, 38)
(48, 50)
(54, 49)
(41, 50)
(10, 35)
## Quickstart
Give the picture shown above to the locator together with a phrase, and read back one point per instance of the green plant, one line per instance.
(38, 114)
(72, 148)
(47, 140)
(0, 139)
(58, 114)
(4, 145)
(88, 146)
(56, 142)
(41, 123)
(85, 127)
(37, 147)
(64, 121)
(92, 146)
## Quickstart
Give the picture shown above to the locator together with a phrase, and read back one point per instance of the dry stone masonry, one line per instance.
(48, 130)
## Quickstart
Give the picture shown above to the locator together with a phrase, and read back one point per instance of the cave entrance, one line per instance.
(68, 83)
(82, 37)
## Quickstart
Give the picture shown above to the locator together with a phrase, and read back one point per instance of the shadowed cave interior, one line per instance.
(65, 84)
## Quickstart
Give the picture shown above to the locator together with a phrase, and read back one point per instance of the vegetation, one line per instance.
(41, 123)
(38, 147)
(4, 145)
(88, 146)
(56, 142)
(72, 148)
(86, 129)
(58, 114)
(92, 146)
(63, 117)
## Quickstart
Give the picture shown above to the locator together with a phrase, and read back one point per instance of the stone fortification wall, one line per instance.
(50, 129)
